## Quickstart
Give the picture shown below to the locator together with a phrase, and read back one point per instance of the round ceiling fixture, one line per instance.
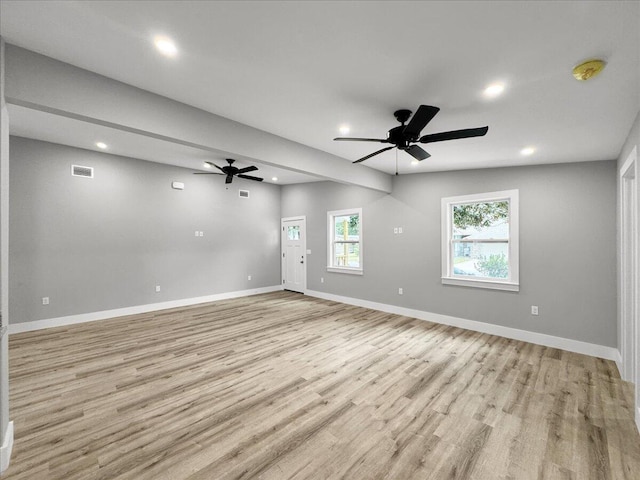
(588, 69)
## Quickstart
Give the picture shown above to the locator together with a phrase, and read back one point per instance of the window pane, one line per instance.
(346, 255)
(489, 260)
(481, 221)
(346, 227)
(473, 223)
(293, 232)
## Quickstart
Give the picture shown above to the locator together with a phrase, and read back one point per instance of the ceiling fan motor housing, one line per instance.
(396, 136)
(402, 115)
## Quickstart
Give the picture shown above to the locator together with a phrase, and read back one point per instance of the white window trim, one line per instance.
(448, 277)
(330, 267)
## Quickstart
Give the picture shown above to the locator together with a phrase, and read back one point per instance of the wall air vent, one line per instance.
(80, 171)
(244, 193)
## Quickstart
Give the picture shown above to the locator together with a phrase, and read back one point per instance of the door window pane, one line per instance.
(293, 232)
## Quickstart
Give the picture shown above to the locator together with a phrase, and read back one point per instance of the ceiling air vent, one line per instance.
(244, 193)
(80, 171)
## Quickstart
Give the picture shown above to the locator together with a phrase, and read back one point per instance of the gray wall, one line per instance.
(567, 246)
(104, 243)
(93, 245)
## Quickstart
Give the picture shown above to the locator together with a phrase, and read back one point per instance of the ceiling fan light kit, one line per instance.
(405, 137)
(230, 171)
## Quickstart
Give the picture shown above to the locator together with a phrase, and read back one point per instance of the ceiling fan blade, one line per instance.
(454, 135)
(229, 179)
(373, 154)
(207, 173)
(417, 152)
(247, 169)
(353, 139)
(249, 177)
(214, 165)
(423, 115)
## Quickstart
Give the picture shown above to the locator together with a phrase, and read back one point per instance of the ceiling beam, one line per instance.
(43, 83)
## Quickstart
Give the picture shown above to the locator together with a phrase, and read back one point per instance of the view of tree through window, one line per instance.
(347, 240)
(480, 239)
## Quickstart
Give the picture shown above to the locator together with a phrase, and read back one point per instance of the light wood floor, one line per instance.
(282, 386)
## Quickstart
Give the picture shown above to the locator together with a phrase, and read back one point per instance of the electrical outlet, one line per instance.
(202, 234)
(248, 277)
(395, 230)
(45, 300)
(197, 233)
(400, 291)
(157, 288)
(534, 310)
(321, 279)
(399, 229)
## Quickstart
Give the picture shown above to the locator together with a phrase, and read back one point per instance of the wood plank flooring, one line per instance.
(282, 386)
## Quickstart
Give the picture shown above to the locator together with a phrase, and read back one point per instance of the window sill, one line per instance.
(350, 271)
(476, 283)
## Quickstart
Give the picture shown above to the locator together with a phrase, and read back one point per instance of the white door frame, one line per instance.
(303, 219)
(629, 276)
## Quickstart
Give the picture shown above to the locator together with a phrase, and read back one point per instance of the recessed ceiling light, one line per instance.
(165, 46)
(493, 90)
(415, 162)
(275, 179)
(101, 145)
(344, 129)
(527, 151)
(206, 165)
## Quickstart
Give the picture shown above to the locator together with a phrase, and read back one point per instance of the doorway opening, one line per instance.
(630, 324)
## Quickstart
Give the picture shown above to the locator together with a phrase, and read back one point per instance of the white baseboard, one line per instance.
(7, 446)
(576, 346)
(120, 312)
(618, 361)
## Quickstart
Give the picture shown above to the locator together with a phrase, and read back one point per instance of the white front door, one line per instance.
(294, 261)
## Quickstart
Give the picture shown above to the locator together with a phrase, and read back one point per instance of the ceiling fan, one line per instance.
(230, 171)
(404, 137)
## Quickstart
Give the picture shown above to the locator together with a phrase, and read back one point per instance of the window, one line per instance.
(480, 240)
(345, 241)
(293, 232)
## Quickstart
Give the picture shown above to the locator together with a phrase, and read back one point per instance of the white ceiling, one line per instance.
(301, 69)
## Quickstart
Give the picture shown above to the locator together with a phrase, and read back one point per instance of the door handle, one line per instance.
(301, 261)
